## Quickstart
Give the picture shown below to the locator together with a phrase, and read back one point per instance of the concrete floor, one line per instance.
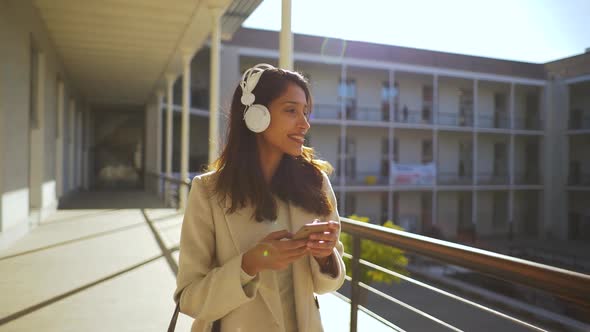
(96, 266)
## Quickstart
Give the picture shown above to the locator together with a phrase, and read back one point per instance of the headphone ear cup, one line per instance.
(257, 118)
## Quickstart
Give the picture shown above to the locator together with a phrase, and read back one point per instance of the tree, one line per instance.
(383, 255)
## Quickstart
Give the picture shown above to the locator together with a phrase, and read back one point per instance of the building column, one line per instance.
(169, 136)
(475, 149)
(71, 139)
(79, 123)
(342, 152)
(37, 138)
(85, 149)
(390, 145)
(59, 141)
(185, 127)
(434, 213)
(214, 84)
(511, 165)
(158, 170)
(286, 37)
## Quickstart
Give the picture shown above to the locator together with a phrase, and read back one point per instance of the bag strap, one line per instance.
(172, 324)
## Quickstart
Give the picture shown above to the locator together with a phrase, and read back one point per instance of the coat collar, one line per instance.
(245, 234)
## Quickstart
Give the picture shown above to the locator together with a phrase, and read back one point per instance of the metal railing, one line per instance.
(579, 179)
(412, 116)
(572, 287)
(579, 120)
(493, 179)
(454, 178)
(529, 177)
(171, 187)
(326, 111)
(367, 179)
(369, 114)
(528, 122)
(455, 119)
(500, 121)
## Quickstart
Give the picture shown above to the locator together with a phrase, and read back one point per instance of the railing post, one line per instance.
(355, 288)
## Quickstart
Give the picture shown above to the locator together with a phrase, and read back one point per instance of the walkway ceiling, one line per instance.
(119, 51)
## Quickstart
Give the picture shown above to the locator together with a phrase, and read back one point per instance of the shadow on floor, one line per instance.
(111, 200)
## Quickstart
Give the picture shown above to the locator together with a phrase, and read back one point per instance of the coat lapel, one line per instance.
(301, 270)
(244, 234)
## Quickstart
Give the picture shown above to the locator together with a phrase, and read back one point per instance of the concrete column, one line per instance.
(59, 141)
(341, 153)
(214, 85)
(158, 110)
(169, 128)
(85, 149)
(79, 142)
(185, 127)
(475, 149)
(390, 146)
(511, 162)
(71, 140)
(435, 147)
(37, 138)
(286, 37)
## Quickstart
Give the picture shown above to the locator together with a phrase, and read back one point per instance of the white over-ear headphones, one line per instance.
(256, 116)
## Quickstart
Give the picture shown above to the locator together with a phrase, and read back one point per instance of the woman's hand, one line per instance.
(321, 245)
(273, 254)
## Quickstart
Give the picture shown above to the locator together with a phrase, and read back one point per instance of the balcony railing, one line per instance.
(571, 288)
(454, 178)
(579, 120)
(413, 117)
(496, 120)
(529, 177)
(326, 111)
(579, 179)
(528, 123)
(367, 179)
(368, 114)
(492, 179)
(455, 119)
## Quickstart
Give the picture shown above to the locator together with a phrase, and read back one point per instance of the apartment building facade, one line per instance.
(448, 145)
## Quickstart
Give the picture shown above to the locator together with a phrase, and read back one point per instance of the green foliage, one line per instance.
(385, 256)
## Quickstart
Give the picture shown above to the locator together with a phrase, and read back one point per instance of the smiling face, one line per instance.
(289, 114)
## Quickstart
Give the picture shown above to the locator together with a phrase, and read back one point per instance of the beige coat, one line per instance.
(208, 283)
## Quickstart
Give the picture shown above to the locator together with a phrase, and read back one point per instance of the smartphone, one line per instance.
(308, 229)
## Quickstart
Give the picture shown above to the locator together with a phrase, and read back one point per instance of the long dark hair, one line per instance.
(239, 174)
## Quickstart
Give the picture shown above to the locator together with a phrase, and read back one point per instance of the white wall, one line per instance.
(410, 145)
(410, 90)
(21, 27)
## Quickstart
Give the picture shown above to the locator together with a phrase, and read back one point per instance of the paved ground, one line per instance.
(91, 267)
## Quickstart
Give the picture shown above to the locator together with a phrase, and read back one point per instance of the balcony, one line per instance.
(579, 119)
(527, 178)
(455, 119)
(492, 179)
(326, 111)
(528, 122)
(582, 179)
(496, 120)
(413, 117)
(367, 179)
(367, 114)
(454, 179)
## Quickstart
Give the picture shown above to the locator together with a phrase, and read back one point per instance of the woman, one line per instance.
(238, 263)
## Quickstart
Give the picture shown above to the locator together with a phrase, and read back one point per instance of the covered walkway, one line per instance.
(97, 265)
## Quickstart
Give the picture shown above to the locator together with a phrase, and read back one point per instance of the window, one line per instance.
(347, 92)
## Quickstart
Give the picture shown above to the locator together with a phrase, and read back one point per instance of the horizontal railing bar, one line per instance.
(448, 294)
(572, 286)
(407, 306)
(169, 178)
